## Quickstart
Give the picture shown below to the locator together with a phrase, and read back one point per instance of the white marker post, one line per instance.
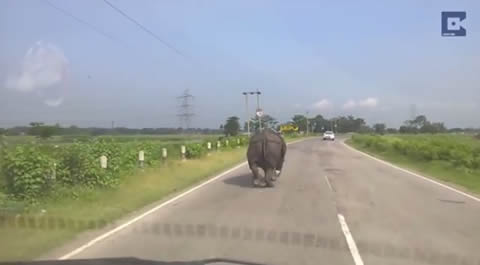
(141, 158)
(209, 148)
(54, 173)
(218, 146)
(226, 143)
(103, 162)
(238, 142)
(183, 150)
(164, 154)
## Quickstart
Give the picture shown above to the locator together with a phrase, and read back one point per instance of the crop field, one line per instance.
(448, 157)
(31, 168)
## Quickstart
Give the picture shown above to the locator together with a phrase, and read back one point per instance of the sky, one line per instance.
(380, 60)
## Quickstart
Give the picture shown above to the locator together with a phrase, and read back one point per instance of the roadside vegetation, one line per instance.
(453, 158)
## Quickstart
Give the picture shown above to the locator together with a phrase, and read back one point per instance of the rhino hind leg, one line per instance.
(269, 177)
(256, 176)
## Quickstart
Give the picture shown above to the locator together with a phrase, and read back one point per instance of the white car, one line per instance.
(329, 135)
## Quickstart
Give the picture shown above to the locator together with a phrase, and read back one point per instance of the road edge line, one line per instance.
(414, 174)
(357, 259)
(154, 209)
(328, 183)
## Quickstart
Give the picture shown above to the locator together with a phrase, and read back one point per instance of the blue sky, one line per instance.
(372, 59)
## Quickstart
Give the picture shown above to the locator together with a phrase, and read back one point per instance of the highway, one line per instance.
(331, 205)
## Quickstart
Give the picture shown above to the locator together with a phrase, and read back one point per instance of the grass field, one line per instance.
(65, 139)
(450, 158)
(21, 240)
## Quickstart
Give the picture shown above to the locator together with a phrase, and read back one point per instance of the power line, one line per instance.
(81, 21)
(144, 28)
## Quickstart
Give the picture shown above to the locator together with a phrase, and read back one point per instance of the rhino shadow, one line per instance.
(243, 180)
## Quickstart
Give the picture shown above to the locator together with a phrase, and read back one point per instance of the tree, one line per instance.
(436, 127)
(232, 126)
(418, 122)
(347, 124)
(47, 131)
(392, 130)
(35, 128)
(456, 130)
(406, 129)
(300, 121)
(269, 121)
(379, 128)
(365, 129)
(319, 123)
(3, 131)
(423, 125)
(43, 131)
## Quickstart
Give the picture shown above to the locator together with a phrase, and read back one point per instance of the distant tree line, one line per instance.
(42, 130)
(317, 124)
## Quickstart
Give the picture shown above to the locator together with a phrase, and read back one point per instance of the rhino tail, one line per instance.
(264, 149)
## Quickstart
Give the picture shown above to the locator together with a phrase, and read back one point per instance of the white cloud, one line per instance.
(54, 102)
(43, 66)
(368, 102)
(322, 104)
(350, 104)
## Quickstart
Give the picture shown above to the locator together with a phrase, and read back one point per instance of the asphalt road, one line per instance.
(391, 216)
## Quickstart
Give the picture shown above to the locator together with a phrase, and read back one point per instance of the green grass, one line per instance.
(65, 139)
(462, 178)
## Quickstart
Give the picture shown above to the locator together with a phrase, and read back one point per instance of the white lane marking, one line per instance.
(328, 183)
(124, 225)
(118, 228)
(357, 259)
(414, 174)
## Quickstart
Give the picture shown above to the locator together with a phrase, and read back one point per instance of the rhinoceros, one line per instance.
(266, 150)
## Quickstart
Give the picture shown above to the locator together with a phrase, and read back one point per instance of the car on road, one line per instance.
(329, 135)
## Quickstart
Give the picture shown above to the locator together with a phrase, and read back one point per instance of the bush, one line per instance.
(28, 171)
(80, 164)
(427, 148)
(29, 168)
(195, 150)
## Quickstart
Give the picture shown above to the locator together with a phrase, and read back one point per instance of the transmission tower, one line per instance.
(185, 109)
(413, 111)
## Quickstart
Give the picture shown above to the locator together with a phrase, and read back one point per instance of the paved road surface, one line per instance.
(393, 217)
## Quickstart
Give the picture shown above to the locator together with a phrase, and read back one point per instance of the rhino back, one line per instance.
(266, 148)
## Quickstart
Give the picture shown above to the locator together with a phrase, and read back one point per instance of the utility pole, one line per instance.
(185, 113)
(247, 118)
(306, 119)
(258, 109)
(258, 93)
